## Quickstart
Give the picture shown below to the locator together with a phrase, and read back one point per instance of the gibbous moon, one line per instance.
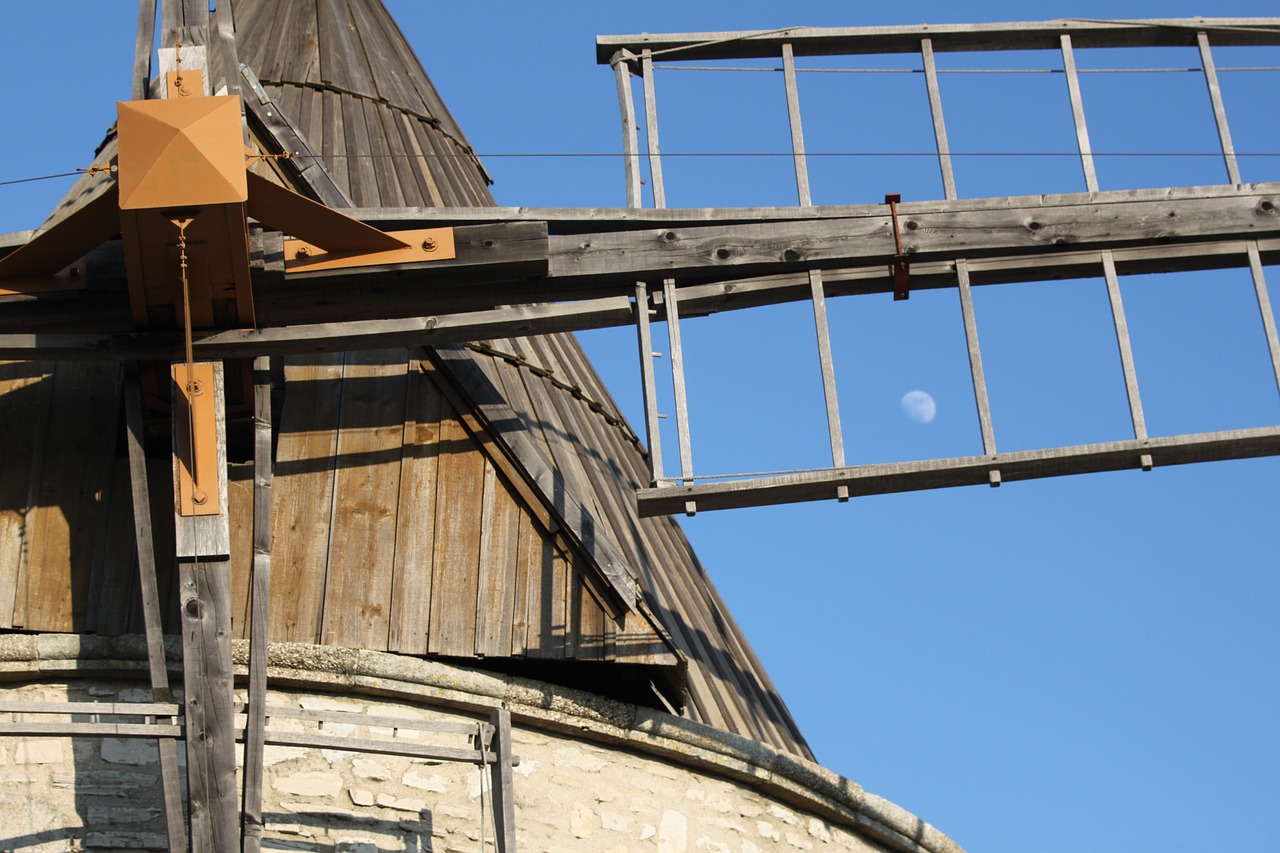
(919, 406)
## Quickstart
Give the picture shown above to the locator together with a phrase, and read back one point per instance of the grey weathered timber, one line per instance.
(965, 471)
(797, 129)
(504, 810)
(161, 732)
(150, 596)
(817, 293)
(1125, 347)
(1219, 111)
(975, 359)
(1077, 115)
(651, 132)
(648, 383)
(260, 608)
(142, 48)
(205, 607)
(627, 109)
(939, 121)
(1264, 309)
(671, 305)
(1035, 35)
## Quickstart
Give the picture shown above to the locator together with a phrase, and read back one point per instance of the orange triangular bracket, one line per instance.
(285, 210)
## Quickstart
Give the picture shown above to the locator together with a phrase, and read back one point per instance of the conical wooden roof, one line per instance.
(473, 503)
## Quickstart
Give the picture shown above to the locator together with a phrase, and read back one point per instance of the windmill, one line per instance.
(556, 272)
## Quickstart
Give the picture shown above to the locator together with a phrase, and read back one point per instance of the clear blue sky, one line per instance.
(1081, 663)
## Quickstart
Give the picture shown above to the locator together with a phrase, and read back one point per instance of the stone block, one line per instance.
(366, 768)
(129, 751)
(40, 751)
(361, 798)
(433, 782)
(317, 783)
(582, 821)
(673, 832)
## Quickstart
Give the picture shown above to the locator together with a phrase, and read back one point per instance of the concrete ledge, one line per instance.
(796, 781)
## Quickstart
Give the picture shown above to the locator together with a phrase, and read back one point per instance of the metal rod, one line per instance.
(975, 359)
(1077, 114)
(651, 131)
(648, 384)
(627, 107)
(939, 123)
(1264, 308)
(1126, 348)
(797, 131)
(677, 379)
(1219, 111)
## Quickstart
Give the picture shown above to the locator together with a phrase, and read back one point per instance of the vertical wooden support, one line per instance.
(142, 48)
(1077, 114)
(651, 131)
(648, 384)
(260, 607)
(1126, 350)
(150, 594)
(627, 107)
(975, 365)
(939, 123)
(1219, 111)
(677, 378)
(797, 133)
(504, 808)
(1264, 308)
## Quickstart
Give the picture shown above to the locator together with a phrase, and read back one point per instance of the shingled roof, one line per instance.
(473, 503)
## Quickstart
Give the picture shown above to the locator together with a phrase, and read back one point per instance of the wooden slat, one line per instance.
(1125, 346)
(240, 524)
(630, 145)
(975, 359)
(826, 366)
(367, 484)
(939, 121)
(968, 471)
(651, 132)
(142, 48)
(504, 812)
(1264, 309)
(797, 131)
(303, 492)
(415, 526)
(260, 603)
(1032, 35)
(1077, 114)
(1219, 111)
(648, 384)
(159, 731)
(528, 553)
(495, 600)
(459, 495)
(25, 391)
(123, 709)
(670, 305)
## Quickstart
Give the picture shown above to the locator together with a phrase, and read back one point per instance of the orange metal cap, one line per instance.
(183, 152)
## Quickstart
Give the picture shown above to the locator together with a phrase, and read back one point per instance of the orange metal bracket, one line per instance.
(425, 244)
(194, 403)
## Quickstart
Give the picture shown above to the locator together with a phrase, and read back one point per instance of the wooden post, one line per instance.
(1219, 111)
(160, 692)
(1126, 350)
(504, 809)
(1077, 114)
(975, 364)
(677, 380)
(651, 131)
(939, 123)
(648, 384)
(630, 145)
(797, 132)
(142, 48)
(260, 608)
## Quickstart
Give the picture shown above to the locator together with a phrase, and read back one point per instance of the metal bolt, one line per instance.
(302, 252)
(428, 245)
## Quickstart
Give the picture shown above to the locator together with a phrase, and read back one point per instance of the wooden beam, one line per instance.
(648, 384)
(1033, 35)
(504, 808)
(153, 627)
(651, 132)
(627, 110)
(939, 121)
(260, 608)
(1219, 110)
(142, 48)
(964, 471)
(1077, 114)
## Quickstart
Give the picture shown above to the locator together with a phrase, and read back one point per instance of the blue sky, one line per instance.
(1080, 663)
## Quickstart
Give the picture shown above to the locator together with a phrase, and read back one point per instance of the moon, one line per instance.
(919, 406)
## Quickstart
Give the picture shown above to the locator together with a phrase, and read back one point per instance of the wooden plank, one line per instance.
(240, 522)
(967, 471)
(651, 132)
(113, 709)
(260, 603)
(459, 497)
(797, 131)
(142, 48)
(827, 367)
(975, 359)
(939, 121)
(415, 526)
(207, 682)
(1077, 114)
(1219, 111)
(25, 392)
(502, 783)
(306, 460)
(362, 539)
(158, 731)
(149, 593)
(495, 600)
(376, 747)
(529, 545)
(116, 590)
(630, 145)
(1035, 35)
(1264, 309)
(648, 384)
(670, 304)
(1125, 346)
(227, 60)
